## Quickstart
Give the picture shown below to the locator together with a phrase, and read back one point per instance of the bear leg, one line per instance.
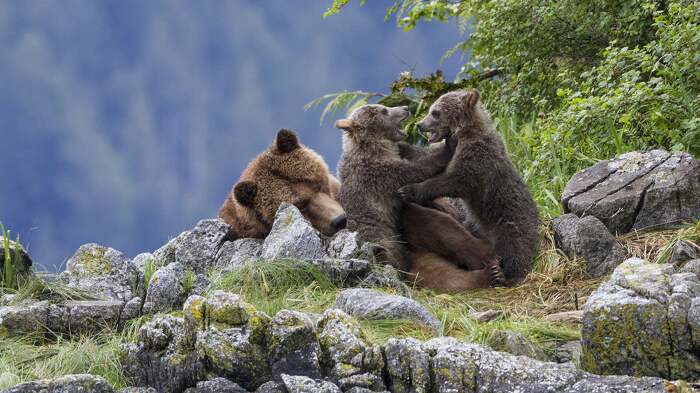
(431, 271)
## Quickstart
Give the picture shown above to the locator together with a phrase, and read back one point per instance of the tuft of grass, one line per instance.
(55, 291)
(149, 268)
(21, 360)
(188, 281)
(12, 256)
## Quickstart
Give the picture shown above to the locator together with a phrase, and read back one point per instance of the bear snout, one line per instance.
(339, 222)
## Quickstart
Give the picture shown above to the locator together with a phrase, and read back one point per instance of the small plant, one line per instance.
(188, 281)
(148, 269)
(12, 257)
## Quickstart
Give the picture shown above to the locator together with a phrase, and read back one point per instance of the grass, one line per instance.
(56, 291)
(9, 279)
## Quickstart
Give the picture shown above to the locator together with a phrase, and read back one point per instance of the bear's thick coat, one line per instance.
(286, 172)
(482, 174)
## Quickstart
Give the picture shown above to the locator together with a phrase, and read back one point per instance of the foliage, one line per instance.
(54, 291)
(11, 270)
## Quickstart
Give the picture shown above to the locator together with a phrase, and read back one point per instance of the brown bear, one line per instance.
(482, 174)
(286, 172)
(371, 171)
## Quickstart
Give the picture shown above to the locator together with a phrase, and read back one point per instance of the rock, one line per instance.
(516, 344)
(568, 352)
(21, 261)
(643, 321)
(102, 271)
(574, 316)
(346, 244)
(691, 267)
(195, 249)
(637, 190)
(407, 366)
(166, 254)
(343, 272)
(294, 348)
(235, 254)
(139, 389)
(301, 384)
(165, 291)
(486, 316)
(24, 319)
(83, 317)
(216, 385)
(143, 259)
(132, 309)
(346, 353)
(589, 239)
(162, 357)
(74, 383)
(292, 237)
(271, 387)
(385, 276)
(227, 308)
(371, 304)
(7, 299)
(683, 251)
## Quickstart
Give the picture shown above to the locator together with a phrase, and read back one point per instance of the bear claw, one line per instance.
(498, 279)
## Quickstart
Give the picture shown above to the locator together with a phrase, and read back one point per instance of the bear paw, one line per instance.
(498, 279)
(409, 193)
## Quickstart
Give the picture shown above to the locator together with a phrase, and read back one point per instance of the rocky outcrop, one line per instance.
(234, 254)
(371, 304)
(644, 321)
(195, 249)
(637, 190)
(292, 237)
(589, 239)
(77, 383)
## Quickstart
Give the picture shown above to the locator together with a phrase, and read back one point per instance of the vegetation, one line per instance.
(11, 260)
(568, 83)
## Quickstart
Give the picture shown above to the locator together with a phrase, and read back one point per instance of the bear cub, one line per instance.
(482, 174)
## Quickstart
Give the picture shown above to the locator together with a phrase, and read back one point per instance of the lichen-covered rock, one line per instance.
(516, 344)
(294, 348)
(637, 190)
(589, 239)
(346, 353)
(102, 271)
(292, 236)
(132, 309)
(271, 387)
(643, 322)
(692, 266)
(138, 389)
(302, 384)
(343, 272)
(568, 352)
(346, 244)
(370, 304)
(235, 254)
(21, 260)
(195, 249)
(216, 385)
(407, 366)
(385, 276)
(73, 383)
(165, 291)
(162, 358)
(23, 319)
(227, 308)
(83, 317)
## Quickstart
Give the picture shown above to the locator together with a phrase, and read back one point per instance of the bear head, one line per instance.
(449, 113)
(286, 172)
(375, 122)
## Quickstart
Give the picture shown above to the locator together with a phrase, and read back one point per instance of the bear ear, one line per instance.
(345, 124)
(287, 141)
(245, 192)
(470, 99)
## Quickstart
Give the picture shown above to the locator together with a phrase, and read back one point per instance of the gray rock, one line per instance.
(516, 344)
(568, 352)
(227, 308)
(301, 384)
(139, 389)
(7, 299)
(574, 316)
(141, 260)
(21, 260)
(132, 309)
(195, 249)
(683, 251)
(637, 190)
(235, 254)
(343, 272)
(216, 385)
(102, 271)
(74, 383)
(165, 291)
(346, 244)
(24, 319)
(486, 316)
(162, 358)
(642, 321)
(166, 254)
(292, 236)
(83, 317)
(407, 366)
(589, 239)
(271, 387)
(370, 304)
(385, 276)
(691, 267)
(294, 348)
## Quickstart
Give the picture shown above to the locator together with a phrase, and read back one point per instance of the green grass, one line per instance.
(56, 291)
(10, 279)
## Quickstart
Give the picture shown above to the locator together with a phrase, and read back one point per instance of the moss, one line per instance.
(93, 262)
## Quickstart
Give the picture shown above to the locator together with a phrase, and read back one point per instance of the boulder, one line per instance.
(346, 244)
(24, 319)
(302, 384)
(138, 389)
(271, 387)
(516, 344)
(589, 239)
(637, 190)
(569, 351)
(74, 383)
(21, 261)
(216, 385)
(683, 251)
(407, 366)
(691, 267)
(235, 254)
(343, 272)
(371, 304)
(102, 271)
(165, 291)
(486, 316)
(195, 249)
(292, 236)
(83, 317)
(643, 321)
(294, 348)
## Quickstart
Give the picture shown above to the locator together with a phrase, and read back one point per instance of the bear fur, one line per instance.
(371, 170)
(482, 174)
(286, 172)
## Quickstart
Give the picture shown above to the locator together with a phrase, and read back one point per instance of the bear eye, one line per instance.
(436, 114)
(385, 111)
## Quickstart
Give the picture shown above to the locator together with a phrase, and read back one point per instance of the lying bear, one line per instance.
(286, 172)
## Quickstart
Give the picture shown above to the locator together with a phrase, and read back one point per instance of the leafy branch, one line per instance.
(347, 100)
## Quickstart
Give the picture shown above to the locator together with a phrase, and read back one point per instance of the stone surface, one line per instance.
(165, 291)
(74, 383)
(568, 352)
(637, 190)
(344, 272)
(589, 239)
(216, 385)
(346, 244)
(574, 316)
(83, 317)
(683, 251)
(643, 321)
(407, 366)
(195, 249)
(271, 387)
(21, 260)
(23, 319)
(235, 254)
(294, 347)
(486, 316)
(103, 272)
(370, 304)
(516, 344)
(691, 267)
(301, 384)
(139, 389)
(292, 236)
